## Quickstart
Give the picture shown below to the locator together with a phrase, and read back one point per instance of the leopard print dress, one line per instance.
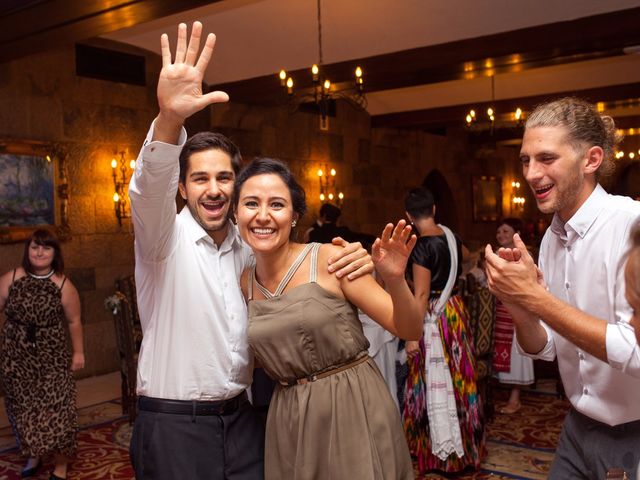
(40, 393)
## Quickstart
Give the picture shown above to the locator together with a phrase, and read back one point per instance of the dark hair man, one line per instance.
(194, 419)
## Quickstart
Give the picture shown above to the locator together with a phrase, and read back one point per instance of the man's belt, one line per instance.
(192, 407)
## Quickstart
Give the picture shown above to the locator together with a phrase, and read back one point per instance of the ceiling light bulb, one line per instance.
(114, 163)
(132, 164)
(331, 196)
(322, 197)
(283, 75)
(289, 82)
(472, 113)
(116, 197)
(333, 172)
(327, 84)
(518, 113)
(358, 72)
(314, 69)
(469, 119)
(341, 195)
(490, 111)
(632, 155)
(320, 173)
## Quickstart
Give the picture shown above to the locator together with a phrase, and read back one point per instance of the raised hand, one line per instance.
(180, 82)
(391, 251)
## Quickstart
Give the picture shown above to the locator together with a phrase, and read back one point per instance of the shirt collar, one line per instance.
(582, 220)
(196, 233)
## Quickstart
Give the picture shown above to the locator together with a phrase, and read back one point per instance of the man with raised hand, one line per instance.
(194, 419)
(582, 317)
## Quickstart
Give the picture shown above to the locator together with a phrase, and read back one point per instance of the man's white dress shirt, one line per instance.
(583, 265)
(193, 315)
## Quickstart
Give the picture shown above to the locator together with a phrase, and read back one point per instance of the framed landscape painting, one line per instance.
(33, 189)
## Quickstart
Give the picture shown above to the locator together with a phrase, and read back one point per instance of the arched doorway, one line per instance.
(446, 209)
(628, 181)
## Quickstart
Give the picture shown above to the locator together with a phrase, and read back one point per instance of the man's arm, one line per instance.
(516, 284)
(155, 182)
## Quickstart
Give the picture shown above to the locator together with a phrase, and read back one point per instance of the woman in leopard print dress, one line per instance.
(34, 359)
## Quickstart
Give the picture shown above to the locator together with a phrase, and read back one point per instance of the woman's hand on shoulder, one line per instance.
(391, 251)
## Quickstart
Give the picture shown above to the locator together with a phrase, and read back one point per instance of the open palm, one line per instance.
(180, 82)
(391, 251)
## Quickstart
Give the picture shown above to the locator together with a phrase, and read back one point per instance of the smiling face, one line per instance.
(554, 170)
(207, 189)
(265, 212)
(504, 235)
(40, 258)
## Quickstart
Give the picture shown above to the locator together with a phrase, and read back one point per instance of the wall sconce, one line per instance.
(517, 201)
(121, 171)
(327, 180)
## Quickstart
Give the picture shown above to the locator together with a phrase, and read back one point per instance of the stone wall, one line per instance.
(41, 98)
(376, 166)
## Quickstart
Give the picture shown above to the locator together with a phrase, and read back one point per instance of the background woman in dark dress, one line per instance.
(428, 268)
(36, 366)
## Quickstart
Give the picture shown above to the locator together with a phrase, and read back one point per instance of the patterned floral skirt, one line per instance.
(458, 349)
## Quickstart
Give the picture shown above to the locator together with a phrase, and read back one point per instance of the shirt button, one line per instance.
(569, 248)
(567, 285)
(581, 355)
(585, 390)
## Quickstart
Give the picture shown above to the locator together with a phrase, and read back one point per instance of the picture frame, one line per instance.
(33, 189)
(487, 198)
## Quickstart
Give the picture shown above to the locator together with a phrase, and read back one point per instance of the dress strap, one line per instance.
(14, 275)
(63, 280)
(287, 277)
(313, 270)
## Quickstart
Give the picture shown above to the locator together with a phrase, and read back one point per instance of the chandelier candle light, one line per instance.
(323, 91)
(121, 175)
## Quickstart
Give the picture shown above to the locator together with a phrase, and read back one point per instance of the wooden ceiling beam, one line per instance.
(582, 39)
(443, 116)
(36, 25)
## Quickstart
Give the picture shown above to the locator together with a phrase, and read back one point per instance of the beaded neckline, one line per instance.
(42, 277)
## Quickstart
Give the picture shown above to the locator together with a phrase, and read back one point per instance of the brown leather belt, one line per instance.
(318, 376)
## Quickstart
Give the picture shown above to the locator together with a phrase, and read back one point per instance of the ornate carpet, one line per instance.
(520, 446)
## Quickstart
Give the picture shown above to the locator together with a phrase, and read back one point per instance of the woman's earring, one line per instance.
(294, 223)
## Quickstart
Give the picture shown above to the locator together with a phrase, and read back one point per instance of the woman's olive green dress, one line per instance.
(340, 426)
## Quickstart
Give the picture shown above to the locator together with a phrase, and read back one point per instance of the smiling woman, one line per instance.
(304, 331)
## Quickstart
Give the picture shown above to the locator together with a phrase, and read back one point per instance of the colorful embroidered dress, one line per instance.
(432, 253)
